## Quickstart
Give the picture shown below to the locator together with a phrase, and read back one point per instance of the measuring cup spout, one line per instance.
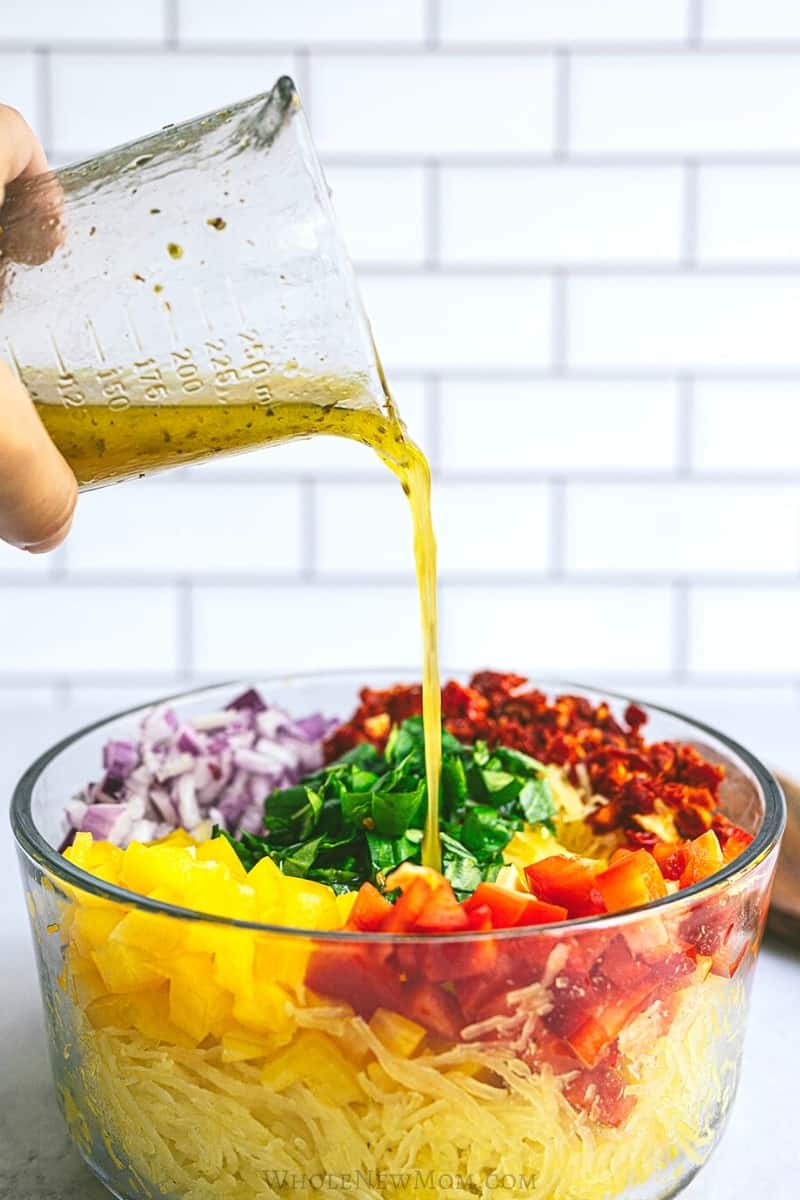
(265, 124)
(187, 289)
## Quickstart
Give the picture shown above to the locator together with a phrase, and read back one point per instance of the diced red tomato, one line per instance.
(548, 1049)
(509, 907)
(631, 882)
(671, 859)
(616, 967)
(569, 882)
(706, 928)
(601, 1092)
(590, 1041)
(573, 999)
(703, 857)
(354, 975)
(505, 904)
(442, 914)
(480, 917)
(539, 912)
(370, 909)
(736, 843)
(418, 887)
(608, 1020)
(726, 962)
(434, 1008)
(367, 984)
(407, 873)
(459, 959)
(672, 968)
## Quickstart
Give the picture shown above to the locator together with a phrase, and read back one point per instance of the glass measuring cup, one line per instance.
(185, 295)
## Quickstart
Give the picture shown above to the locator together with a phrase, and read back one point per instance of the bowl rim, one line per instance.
(36, 848)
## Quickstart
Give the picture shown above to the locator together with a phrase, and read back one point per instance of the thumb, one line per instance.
(38, 491)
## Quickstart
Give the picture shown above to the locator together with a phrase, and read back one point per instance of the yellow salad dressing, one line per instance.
(104, 444)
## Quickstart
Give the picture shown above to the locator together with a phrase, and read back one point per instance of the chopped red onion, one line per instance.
(108, 823)
(120, 757)
(218, 767)
(249, 701)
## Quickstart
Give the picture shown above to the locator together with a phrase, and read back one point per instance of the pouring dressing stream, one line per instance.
(188, 295)
(100, 444)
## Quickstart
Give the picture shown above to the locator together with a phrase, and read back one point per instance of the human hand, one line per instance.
(38, 491)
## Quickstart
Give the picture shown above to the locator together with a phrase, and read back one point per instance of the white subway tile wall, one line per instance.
(575, 227)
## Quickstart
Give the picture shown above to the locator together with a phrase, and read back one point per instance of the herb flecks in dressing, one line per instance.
(106, 442)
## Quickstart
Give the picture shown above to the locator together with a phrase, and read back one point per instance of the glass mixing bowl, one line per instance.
(216, 1058)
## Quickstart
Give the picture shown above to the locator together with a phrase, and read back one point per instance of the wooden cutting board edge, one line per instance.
(784, 913)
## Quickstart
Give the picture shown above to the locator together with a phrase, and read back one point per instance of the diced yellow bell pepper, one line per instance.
(156, 936)
(219, 850)
(197, 1004)
(383, 1080)
(150, 1013)
(178, 837)
(242, 1045)
(398, 1034)
(282, 959)
(470, 1069)
(110, 1012)
(145, 868)
(345, 903)
(530, 845)
(314, 1058)
(233, 958)
(86, 980)
(92, 926)
(262, 1006)
(88, 854)
(211, 890)
(124, 968)
(309, 905)
(267, 881)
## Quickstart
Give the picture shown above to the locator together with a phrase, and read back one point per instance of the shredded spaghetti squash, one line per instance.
(468, 1121)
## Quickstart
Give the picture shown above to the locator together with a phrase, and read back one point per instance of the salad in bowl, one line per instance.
(255, 987)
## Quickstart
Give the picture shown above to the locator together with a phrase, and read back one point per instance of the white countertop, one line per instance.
(758, 1157)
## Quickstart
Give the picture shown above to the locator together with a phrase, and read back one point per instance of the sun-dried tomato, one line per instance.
(626, 775)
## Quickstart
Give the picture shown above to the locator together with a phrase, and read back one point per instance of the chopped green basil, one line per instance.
(363, 815)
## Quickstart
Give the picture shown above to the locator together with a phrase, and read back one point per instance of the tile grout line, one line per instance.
(184, 633)
(171, 25)
(684, 439)
(308, 531)
(65, 685)
(608, 272)
(694, 23)
(433, 430)
(432, 210)
(621, 475)
(561, 106)
(557, 529)
(489, 160)
(559, 339)
(690, 214)
(618, 577)
(44, 97)
(433, 25)
(302, 62)
(676, 47)
(681, 633)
